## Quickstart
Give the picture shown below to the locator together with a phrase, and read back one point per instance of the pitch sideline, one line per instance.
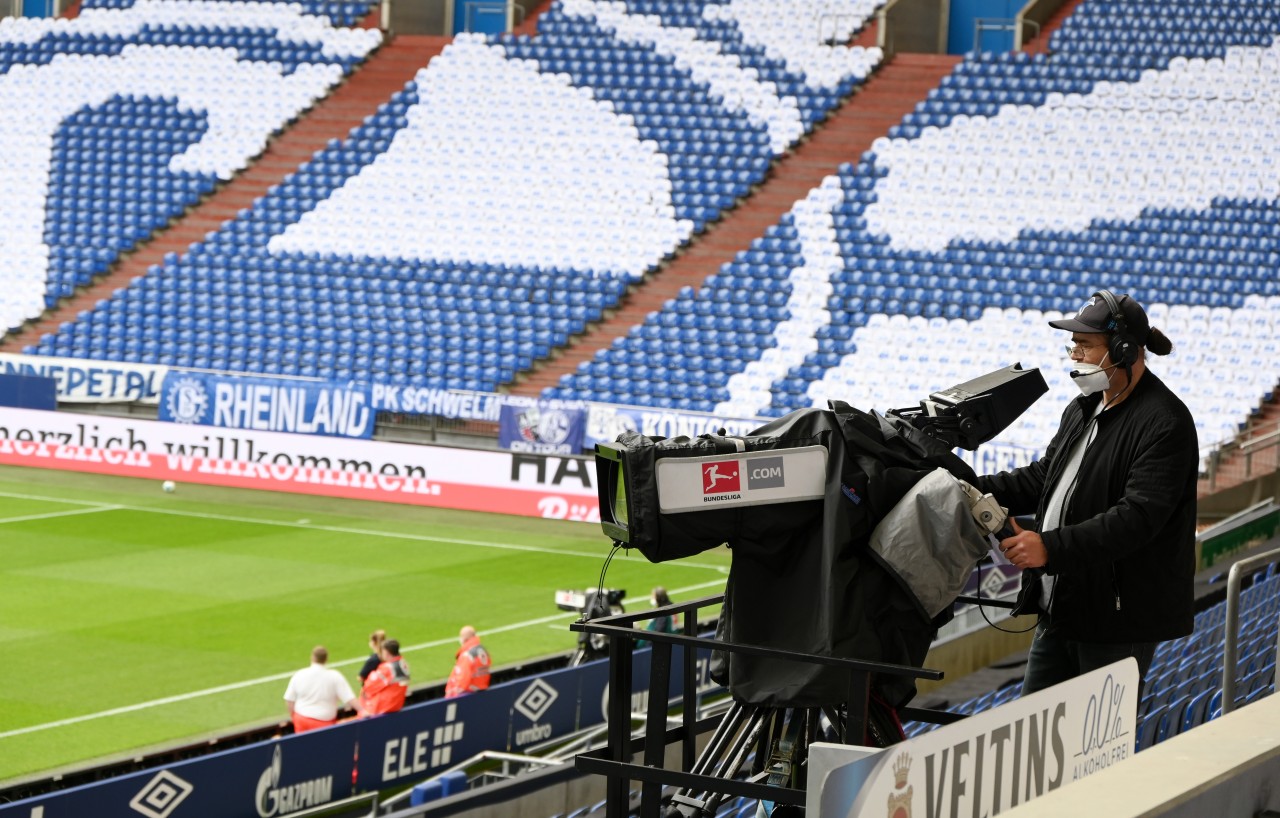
(278, 677)
(337, 529)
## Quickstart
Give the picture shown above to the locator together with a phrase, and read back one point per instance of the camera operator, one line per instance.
(1110, 568)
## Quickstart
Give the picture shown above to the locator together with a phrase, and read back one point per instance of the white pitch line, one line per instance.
(52, 514)
(336, 529)
(278, 677)
(19, 496)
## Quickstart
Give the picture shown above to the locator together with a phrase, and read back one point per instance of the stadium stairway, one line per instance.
(385, 72)
(1253, 456)
(891, 92)
(529, 26)
(1040, 43)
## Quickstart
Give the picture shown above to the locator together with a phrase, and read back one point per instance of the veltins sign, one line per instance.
(989, 762)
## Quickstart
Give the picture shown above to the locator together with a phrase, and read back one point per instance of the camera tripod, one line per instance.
(778, 736)
(770, 745)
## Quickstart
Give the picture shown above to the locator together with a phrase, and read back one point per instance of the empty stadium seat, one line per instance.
(953, 216)
(148, 107)
(642, 129)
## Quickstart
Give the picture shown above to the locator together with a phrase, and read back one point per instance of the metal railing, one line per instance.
(1017, 25)
(1038, 12)
(830, 28)
(508, 761)
(614, 763)
(1231, 624)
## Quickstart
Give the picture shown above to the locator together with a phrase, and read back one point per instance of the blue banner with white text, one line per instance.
(268, 404)
(85, 381)
(260, 781)
(299, 772)
(544, 427)
(445, 403)
(607, 422)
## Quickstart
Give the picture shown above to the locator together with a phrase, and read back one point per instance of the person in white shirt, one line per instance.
(316, 693)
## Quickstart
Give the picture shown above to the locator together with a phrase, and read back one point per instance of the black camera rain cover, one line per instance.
(802, 577)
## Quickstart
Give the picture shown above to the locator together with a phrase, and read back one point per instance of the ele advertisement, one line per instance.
(510, 483)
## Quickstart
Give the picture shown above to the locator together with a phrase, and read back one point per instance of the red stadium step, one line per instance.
(880, 103)
(1040, 43)
(384, 73)
(529, 26)
(868, 36)
(1254, 454)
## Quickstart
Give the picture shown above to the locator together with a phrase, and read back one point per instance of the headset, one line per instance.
(1121, 346)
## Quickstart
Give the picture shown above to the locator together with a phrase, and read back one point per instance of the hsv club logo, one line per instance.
(720, 477)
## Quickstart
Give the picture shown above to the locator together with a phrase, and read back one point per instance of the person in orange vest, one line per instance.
(385, 688)
(471, 667)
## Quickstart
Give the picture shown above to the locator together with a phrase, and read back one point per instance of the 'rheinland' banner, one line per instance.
(528, 485)
(268, 404)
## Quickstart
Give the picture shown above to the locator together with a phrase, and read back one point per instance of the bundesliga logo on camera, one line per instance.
(720, 477)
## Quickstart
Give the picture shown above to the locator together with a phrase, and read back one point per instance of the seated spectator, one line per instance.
(315, 693)
(659, 624)
(386, 687)
(375, 658)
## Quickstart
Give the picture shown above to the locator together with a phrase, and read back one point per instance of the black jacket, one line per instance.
(1125, 552)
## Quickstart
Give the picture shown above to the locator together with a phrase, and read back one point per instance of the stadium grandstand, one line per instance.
(325, 251)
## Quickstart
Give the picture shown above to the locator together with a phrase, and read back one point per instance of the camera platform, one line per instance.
(779, 736)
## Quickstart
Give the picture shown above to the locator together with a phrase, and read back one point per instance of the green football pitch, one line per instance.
(133, 619)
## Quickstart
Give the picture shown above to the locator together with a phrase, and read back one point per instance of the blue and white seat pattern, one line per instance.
(942, 251)
(506, 197)
(118, 120)
(340, 13)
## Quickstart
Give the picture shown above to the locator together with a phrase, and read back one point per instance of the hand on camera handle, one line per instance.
(1023, 548)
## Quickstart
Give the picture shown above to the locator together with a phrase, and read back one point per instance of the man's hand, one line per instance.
(1024, 549)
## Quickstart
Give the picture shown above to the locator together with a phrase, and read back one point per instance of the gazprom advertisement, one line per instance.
(268, 404)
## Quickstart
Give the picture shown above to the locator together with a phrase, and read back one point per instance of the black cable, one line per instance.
(982, 609)
(586, 615)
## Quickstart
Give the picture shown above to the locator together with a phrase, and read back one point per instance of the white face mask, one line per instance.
(1090, 378)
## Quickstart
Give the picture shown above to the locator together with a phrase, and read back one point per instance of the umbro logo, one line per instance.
(160, 796)
(536, 699)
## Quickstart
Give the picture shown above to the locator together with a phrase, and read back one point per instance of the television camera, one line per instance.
(592, 603)
(852, 535)
(801, 502)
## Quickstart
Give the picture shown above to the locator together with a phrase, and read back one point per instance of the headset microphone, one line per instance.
(1075, 373)
(1121, 346)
